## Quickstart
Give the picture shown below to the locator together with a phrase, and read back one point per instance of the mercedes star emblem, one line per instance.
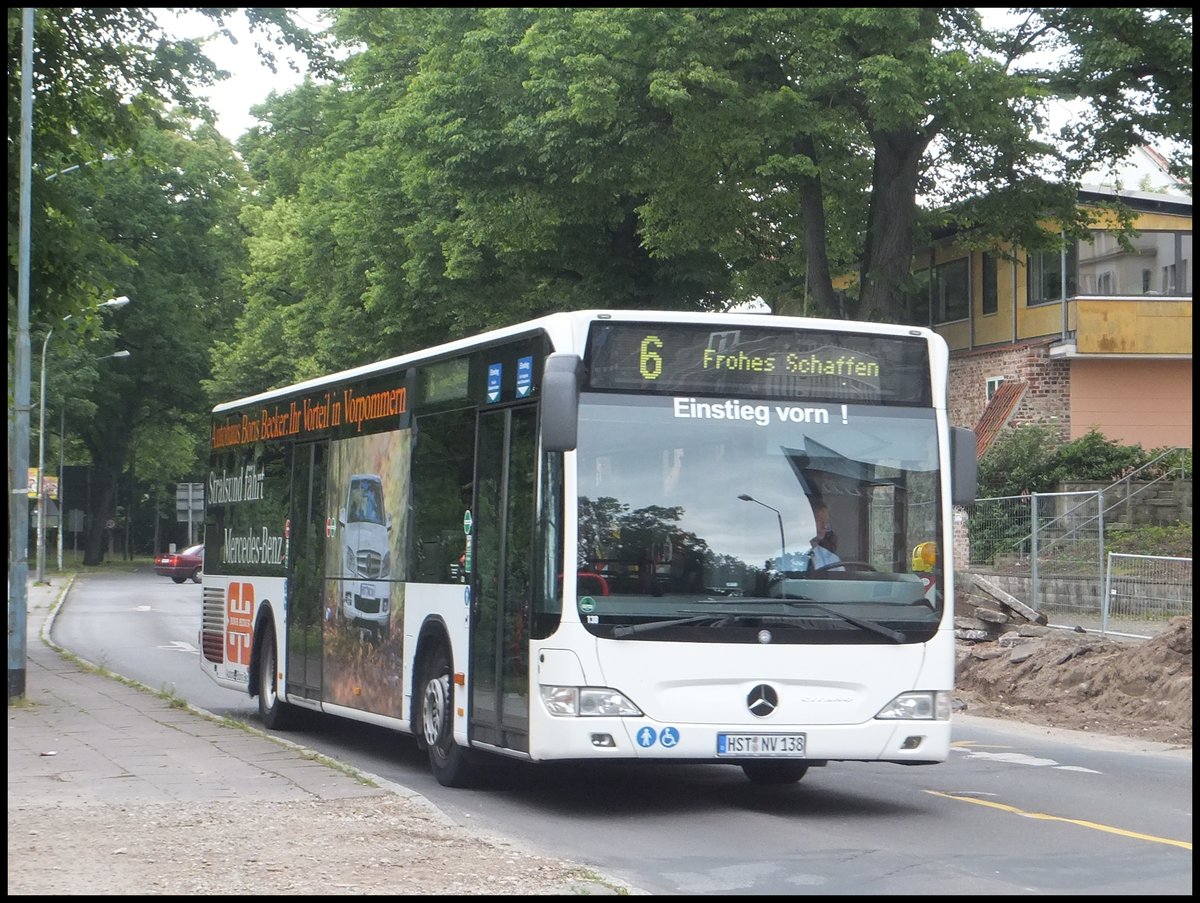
(762, 701)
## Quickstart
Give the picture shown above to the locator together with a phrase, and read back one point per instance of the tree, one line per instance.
(477, 166)
(103, 78)
(100, 77)
(1133, 67)
(180, 261)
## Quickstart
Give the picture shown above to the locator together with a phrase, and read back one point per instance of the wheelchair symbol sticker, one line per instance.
(647, 736)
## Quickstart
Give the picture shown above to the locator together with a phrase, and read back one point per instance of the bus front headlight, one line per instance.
(587, 702)
(918, 706)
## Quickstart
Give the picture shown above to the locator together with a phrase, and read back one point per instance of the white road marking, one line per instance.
(1015, 758)
(180, 646)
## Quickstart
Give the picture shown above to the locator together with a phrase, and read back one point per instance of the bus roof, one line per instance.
(568, 331)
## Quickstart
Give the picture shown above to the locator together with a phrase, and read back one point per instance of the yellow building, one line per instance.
(1108, 347)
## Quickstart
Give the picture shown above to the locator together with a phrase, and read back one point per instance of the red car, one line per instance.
(180, 566)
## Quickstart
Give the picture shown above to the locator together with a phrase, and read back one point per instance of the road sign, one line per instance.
(189, 502)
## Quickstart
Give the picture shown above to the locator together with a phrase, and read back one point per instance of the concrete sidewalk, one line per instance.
(84, 737)
(114, 789)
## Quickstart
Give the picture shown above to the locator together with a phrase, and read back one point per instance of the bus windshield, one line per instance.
(708, 518)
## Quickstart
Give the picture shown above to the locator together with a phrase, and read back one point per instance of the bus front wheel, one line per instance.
(450, 763)
(774, 772)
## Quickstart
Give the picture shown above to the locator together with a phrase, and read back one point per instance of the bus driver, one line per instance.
(824, 544)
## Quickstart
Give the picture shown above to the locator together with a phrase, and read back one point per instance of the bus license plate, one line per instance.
(366, 590)
(741, 745)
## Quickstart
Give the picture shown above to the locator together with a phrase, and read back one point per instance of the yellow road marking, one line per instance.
(1073, 821)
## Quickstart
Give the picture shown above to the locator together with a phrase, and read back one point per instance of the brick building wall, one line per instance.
(1047, 399)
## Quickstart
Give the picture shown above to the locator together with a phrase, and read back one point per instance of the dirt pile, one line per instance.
(1081, 681)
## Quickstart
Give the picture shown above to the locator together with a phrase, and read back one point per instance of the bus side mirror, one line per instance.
(964, 466)
(561, 378)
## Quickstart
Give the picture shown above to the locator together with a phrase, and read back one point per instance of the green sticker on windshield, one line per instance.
(587, 605)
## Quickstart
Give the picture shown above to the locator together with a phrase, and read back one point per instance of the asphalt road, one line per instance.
(1017, 810)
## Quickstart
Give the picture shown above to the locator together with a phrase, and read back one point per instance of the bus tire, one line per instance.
(451, 764)
(774, 772)
(276, 714)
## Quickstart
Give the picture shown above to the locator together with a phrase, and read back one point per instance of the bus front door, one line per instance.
(306, 581)
(506, 474)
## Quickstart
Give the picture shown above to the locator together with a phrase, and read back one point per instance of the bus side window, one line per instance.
(443, 465)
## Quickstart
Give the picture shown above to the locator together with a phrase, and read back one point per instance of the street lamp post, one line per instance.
(119, 301)
(62, 481)
(782, 541)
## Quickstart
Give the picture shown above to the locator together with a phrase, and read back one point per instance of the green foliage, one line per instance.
(101, 77)
(1033, 458)
(166, 214)
(473, 167)
(1167, 460)
(1093, 457)
(1020, 461)
(998, 527)
(1173, 540)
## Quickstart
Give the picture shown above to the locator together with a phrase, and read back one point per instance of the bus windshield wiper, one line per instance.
(874, 627)
(630, 629)
(718, 618)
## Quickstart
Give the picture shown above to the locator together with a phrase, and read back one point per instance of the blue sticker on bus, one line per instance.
(493, 392)
(646, 737)
(669, 737)
(524, 377)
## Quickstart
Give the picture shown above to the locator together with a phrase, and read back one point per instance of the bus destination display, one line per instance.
(675, 358)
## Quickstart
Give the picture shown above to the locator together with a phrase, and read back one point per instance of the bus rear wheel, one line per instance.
(276, 714)
(774, 772)
(452, 765)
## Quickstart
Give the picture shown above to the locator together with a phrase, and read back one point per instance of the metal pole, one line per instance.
(1104, 602)
(782, 541)
(129, 509)
(18, 571)
(41, 486)
(1035, 599)
(62, 483)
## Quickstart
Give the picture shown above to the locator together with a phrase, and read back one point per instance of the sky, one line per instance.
(250, 82)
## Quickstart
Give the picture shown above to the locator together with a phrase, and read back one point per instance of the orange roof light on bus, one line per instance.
(924, 557)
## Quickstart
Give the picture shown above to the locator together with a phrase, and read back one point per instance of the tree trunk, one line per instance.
(816, 238)
(101, 508)
(887, 252)
(157, 522)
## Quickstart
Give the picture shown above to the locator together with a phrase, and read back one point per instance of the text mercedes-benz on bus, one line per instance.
(602, 535)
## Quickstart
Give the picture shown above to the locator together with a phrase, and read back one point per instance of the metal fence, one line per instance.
(1047, 550)
(1143, 591)
(1060, 531)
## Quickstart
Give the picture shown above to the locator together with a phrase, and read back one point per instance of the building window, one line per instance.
(1115, 268)
(991, 283)
(951, 291)
(1045, 270)
(993, 383)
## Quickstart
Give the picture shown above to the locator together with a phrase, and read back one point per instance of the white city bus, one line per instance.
(600, 542)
